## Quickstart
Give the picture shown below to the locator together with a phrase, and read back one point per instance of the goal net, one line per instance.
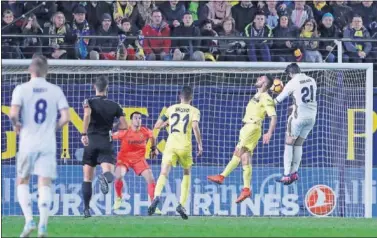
(335, 158)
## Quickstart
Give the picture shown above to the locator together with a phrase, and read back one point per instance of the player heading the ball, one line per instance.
(182, 118)
(259, 105)
(132, 156)
(99, 115)
(38, 101)
(301, 121)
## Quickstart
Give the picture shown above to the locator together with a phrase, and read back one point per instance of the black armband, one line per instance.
(164, 118)
(153, 148)
(84, 134)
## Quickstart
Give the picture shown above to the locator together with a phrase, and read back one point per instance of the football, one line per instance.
(277, 86)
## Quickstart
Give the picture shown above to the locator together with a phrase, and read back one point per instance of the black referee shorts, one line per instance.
(99, 150)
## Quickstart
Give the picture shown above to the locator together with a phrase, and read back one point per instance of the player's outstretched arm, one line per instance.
(64, 118)
(271, 129)
(154, 151)
(288, 89)
(15, 118)
(159, 124)
(198, 137)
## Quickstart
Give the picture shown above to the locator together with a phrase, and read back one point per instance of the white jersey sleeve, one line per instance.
(16, 96)
(287, 91)
(62, 101)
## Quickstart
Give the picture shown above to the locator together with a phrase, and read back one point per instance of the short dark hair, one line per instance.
(125, 20)
(101, 84)
(154, 11)
(293, 69)
(39, 65)
(356, 16)
(135, 113)
(186, 13)
(259, 13)
(186, 93)
(270, 81)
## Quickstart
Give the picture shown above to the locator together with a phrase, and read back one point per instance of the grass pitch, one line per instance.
(122, 226)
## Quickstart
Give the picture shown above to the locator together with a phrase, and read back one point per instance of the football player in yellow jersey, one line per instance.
(260, 105)
(182, 118)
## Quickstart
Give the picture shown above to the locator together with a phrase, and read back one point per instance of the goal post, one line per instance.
(338, 153)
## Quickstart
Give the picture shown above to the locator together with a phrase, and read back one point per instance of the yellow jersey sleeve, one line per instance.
(269, 105)
(196, 115)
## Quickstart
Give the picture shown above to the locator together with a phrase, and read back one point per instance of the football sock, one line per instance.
(24, 198)
(297, 156)
(246, 175)
(151, 188)
(233, 163)
(160, 185)
(109, 177)
(185, 188)
(288, 153)
(87, 193)
(44, 203)
(118, 187)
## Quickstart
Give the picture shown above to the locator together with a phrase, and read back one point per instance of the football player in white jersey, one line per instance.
(38, 102)
(303, 89)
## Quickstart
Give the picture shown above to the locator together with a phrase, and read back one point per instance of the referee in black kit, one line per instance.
(99, 115)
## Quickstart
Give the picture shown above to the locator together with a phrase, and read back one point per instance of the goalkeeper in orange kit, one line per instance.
(132, 156)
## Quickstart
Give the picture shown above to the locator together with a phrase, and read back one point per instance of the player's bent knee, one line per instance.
(187, 171)
(289, 140)
(299, 141)
(23, 180)
(44, 181)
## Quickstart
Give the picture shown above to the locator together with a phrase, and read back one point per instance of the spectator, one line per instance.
(57, 47)
(283, 51)
(271, 14)
(95, 10)
(342, 14)
(104, 48)
(285, 5)
(328, 30)
(173, 13)
(31, 45)
(10, 46)
(126, 9)
(231, 50)
(319, 9)
(67, 8)
(80, 27)
(243, 13)
(259, 49)
(17, 7)
(368, 11)
(301, 13)
(145, 11)
(356, 51)
(129, 49)
(157, 49)
(194, 9)
(217, 12)
(373, 54)
(310, 31)
(185, 49)
(43, 13)
(209, 47)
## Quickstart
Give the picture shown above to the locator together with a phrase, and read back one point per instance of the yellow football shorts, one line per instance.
(249, 137)
(172, 156)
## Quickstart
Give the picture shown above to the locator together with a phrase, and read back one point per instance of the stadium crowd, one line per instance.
(310, 20)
